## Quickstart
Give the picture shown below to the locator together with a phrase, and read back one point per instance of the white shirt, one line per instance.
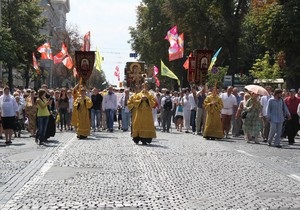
(110, 102)
(21, 107)
(122, 103)
(71, 100)
(192, 101)
(229, 101)
(8, 106)
(186, 103)
(264, 103)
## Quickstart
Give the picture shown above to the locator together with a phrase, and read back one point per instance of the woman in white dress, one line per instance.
(186, 110)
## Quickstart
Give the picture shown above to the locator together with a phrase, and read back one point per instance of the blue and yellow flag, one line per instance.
(214, 59)
(165, 71)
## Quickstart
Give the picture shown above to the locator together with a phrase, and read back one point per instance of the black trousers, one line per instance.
(292, 127)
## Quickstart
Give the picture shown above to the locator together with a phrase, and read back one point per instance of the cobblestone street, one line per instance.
(176, 171)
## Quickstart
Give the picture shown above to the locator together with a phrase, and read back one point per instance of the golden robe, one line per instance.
(213, 125)
(81, 107)
(142, 119)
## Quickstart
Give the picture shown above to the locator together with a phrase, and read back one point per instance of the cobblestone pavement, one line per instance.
(177, 171)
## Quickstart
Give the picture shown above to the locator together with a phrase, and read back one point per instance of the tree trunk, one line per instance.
(26, 76)
(10, 78)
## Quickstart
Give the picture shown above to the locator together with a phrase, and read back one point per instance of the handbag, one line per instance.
(244, 114)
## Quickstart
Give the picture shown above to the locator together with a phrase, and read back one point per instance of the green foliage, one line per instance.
(274, 26)
(218, 21)
(217, 78)
(245, 79)
(266, 68)
(21, 21)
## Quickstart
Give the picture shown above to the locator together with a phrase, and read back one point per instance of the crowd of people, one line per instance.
(211, 113)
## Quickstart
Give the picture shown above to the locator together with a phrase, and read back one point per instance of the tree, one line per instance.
(216, 76)
(20, 36)
(71, 38)
(219, 21)
(273, 25)
(147, 38)
(266, 69)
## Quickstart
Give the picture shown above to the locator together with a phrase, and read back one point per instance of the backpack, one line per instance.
(168, 103)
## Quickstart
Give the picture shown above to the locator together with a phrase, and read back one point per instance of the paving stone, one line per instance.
(177, 171)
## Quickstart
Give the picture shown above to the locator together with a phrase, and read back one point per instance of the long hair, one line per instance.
(41, 93)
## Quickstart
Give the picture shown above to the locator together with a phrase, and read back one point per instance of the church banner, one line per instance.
(84, 63)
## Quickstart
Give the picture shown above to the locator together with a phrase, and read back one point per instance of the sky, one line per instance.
(108, 21)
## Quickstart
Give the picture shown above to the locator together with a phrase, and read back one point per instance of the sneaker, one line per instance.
(278, 146)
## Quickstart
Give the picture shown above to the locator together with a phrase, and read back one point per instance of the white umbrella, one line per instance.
(257, 90)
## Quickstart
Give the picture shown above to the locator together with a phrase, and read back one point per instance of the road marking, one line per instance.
(39, 173)
(272, 166)
(294, 176)
(246, 153)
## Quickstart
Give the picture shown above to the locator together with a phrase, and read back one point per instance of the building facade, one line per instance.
(55, 11)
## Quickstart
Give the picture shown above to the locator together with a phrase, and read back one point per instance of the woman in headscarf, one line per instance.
(251, 125)
(9, 111)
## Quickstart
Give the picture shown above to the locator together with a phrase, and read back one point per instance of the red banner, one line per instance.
(191, 69)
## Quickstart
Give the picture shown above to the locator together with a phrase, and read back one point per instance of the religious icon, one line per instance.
(204, 63)
(84, 66)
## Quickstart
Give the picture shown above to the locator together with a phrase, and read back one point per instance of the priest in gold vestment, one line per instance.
(213, 125)
(82, 105)
(141, 105)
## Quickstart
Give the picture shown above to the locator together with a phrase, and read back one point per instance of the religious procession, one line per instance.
(257, 114)
(214, 111)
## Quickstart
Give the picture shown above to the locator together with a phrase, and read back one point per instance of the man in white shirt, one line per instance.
(126, 115)
(110, 105)
(193, 102)
(229, 107)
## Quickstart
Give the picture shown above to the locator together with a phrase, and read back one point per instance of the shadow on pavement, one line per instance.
(155, 145)
(291, 148)
(157, 140)
(17, 144)
(99, 137)
(221, 140)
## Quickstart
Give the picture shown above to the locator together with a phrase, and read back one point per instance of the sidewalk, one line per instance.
(20, 160)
